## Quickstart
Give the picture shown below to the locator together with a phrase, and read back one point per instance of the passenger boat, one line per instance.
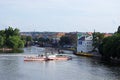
(47, 58)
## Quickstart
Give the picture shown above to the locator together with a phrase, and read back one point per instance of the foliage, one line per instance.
(1, 41)
(41, 39)
(12, 42)
(118, 31)
(65, 40)
(28, 38)
(11, 38)
(97, 39)
(110, 46)
(2, 33)
(23, 38)
(11, 32)
(44, 40)
(20, 44)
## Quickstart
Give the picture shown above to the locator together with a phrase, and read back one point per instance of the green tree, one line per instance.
(14, 42)
(118, 31)
(10, 38)
(2, 33)
(65, 40)
(28, 38)
(110, 46)
(41, 39)
(97, 39)
(9, 32)
(2, 38)
(16, 32)
(20, 44)
(23, 38)
(1, 41)
(73, 39)
(12, 32)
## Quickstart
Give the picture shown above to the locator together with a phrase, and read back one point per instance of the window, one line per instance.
(80, 42)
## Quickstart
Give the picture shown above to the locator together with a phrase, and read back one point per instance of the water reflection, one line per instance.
(12, 51)
(33, 50)
(98, 70)
(79, 68)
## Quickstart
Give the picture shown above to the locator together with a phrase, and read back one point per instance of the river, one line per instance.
(79, 68)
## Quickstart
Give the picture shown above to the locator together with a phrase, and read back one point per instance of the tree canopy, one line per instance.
(110, 46)
(118, 31)
(1, 41)
(65, 40)
(97, 39)
(10, 38)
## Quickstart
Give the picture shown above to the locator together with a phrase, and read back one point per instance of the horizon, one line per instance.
(62, 32)
(57, 31)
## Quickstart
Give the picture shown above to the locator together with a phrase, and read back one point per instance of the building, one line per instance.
(107, 34)
(84, 42)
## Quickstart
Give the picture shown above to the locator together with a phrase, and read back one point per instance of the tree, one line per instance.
(97, 39)
(9, 32)
(28, 38)
(10, 38)
(14, 42)
(73, 38)
(16, 32)
(2, 33)
(20, 44)
(118, 31)
(110, 46)
(23, 38)
(2, 38)
(1, 41)
(12, 32)
(65, 40)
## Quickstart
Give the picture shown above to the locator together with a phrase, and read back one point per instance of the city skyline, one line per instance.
(60, 15)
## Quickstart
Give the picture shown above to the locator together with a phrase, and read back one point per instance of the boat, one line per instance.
(47, 58)
(84, 54)
(35, 58)
(59, 57)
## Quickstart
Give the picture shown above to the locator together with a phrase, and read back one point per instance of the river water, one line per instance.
(79, 68)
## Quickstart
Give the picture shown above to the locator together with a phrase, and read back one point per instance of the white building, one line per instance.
(84, 42)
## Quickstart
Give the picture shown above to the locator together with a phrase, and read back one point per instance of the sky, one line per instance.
(60, 15)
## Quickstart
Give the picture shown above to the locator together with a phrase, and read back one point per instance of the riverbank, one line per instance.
(10, 50)
(6, 49)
